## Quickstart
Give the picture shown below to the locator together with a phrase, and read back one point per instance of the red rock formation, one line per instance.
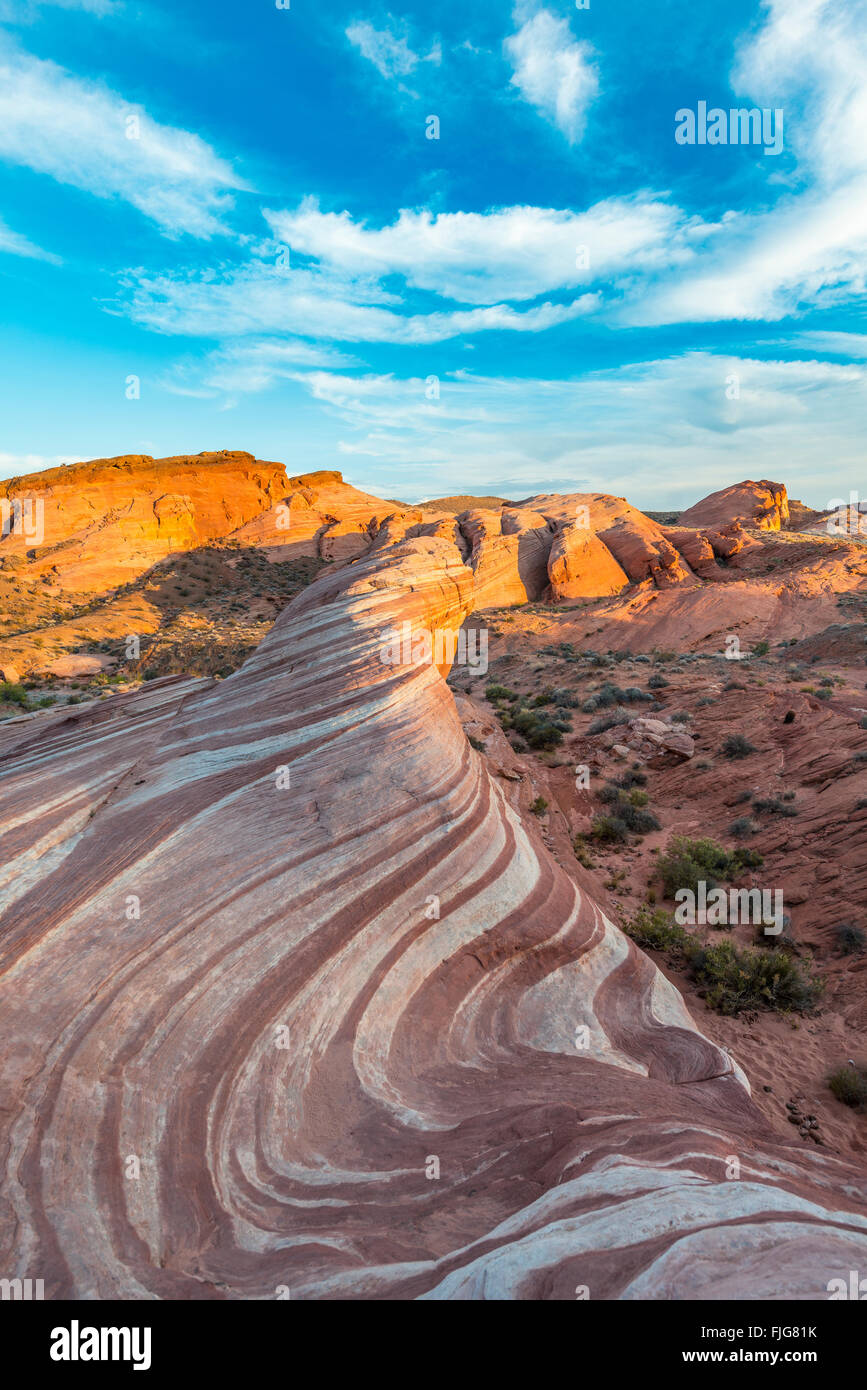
(763, 505)
(110, 519)
(293, 997)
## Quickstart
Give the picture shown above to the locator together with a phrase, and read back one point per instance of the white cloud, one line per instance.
(391, 55)
(835, 344)
(17, 245)
(512, 253)
(76, 131)
(244, 367)
(316, 304)
(15, 465)
(663, 431)
(810, 60)
(553, 72)
(24, 11)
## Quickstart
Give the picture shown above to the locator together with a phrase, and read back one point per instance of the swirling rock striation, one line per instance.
(292, 997)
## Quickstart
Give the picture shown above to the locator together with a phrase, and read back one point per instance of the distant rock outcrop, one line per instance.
(763, 506)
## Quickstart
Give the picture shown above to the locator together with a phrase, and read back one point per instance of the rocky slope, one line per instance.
(297, 996)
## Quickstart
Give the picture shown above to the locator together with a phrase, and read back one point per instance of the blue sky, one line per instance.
(239, 206)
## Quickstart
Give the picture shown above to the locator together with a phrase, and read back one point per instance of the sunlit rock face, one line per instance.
(293, 999)
(763, 505)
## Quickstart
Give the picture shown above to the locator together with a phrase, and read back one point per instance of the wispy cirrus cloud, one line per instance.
(633, 429)
(245, 367)
(553, 71)
(311, 302)
(388, 51)
(24, 11)
(81, 133)
(16, 245)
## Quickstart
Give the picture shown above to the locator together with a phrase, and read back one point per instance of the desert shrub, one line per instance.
(499, 692)
(610, 793)
(637, 819)
(607, 695)
(655, 930)
(760, 648)
(609, 830)
(632, 778)
(849, 939)
(582, 852)
(539, 806)
(627, 807)
(734, 685)
(545, 698)
(849, 1084)
(824, 694)
(743, 826)
(477, 744)
(633, 695)
(687, 863)
(736, 746)
(657, 681)
(609, 721)
(772, 806)
(543, 736)
(681, 716)
(13, 694)
(737, 980)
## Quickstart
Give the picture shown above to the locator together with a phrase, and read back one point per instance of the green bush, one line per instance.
(13, 694)
(609, 830)
(498, 692)
(849, 1084)
(743, 826)
(737, 980)
(539, 806)
(655, 930)
(760, 648)
(687, 863)
(582, 852)
(608, 721)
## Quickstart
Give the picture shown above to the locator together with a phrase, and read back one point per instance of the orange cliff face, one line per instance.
(106, 521)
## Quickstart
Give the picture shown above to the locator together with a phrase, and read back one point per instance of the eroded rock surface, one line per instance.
(284, 941)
